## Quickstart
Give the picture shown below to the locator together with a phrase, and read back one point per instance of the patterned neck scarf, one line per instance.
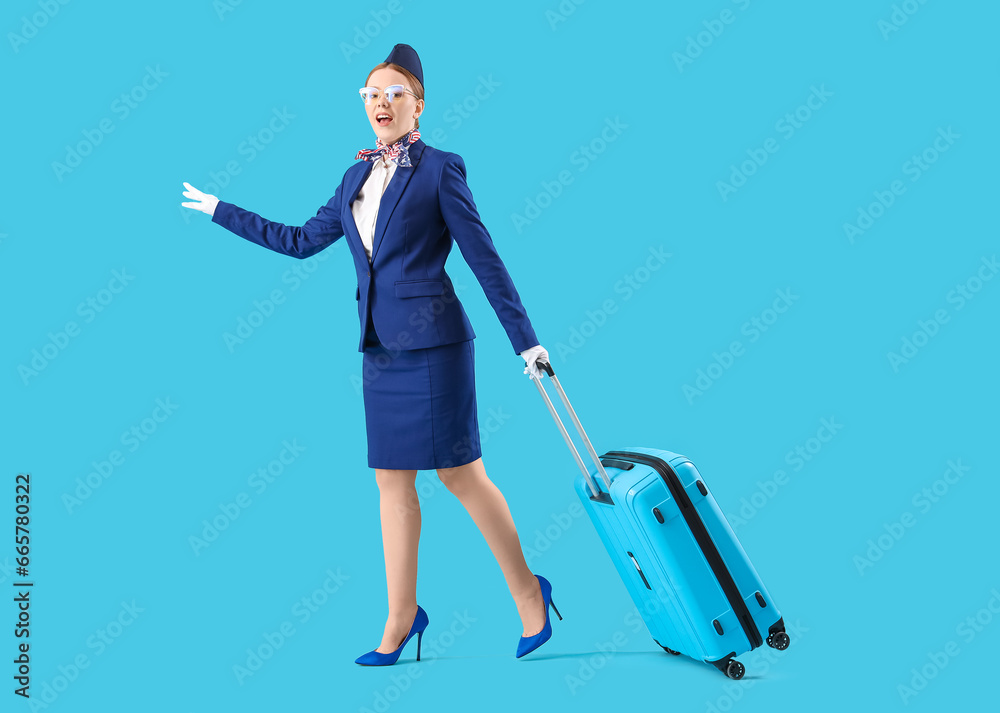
(398, 152)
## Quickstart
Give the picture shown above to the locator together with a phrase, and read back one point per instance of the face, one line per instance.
(403, 111)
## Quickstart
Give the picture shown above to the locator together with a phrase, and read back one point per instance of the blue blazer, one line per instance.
(405, 289)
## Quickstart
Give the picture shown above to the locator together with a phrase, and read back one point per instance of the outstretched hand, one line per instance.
(202, 201)
(531, 356)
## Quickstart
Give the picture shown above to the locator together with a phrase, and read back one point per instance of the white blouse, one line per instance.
(365, 206)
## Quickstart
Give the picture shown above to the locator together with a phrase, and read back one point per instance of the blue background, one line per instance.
(558, 74)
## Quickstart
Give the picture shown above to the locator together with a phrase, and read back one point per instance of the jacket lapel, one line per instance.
(393, 192)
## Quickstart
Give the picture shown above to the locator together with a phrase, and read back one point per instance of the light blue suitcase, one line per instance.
(690, 578)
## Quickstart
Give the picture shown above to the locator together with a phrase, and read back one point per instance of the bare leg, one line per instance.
(488, 508)
(400, 513)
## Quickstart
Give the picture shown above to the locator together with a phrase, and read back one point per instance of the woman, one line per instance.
(400, 206)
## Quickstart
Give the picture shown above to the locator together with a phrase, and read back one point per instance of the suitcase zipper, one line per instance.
(704, 540)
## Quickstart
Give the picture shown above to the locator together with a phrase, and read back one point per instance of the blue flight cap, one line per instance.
(406, 57)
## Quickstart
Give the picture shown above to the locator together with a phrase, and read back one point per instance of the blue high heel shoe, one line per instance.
(376, 658)
(527, 644)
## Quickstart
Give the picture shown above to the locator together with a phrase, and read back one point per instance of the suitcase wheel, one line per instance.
(669, 651)
(730, 666)
(778, 640)
(735, 670)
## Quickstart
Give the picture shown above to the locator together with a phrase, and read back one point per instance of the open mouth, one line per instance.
(383, 119)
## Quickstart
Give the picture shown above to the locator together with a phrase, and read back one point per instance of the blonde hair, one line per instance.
(417, 87)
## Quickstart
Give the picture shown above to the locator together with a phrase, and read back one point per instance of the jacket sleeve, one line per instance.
(321, 230)
(462, 218)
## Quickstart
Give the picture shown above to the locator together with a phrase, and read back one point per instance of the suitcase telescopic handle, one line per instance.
(547, 368)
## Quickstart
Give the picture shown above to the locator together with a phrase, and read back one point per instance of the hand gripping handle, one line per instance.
(547, 368)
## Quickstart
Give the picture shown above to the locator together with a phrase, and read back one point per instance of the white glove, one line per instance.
(532, 355)
(205, 203)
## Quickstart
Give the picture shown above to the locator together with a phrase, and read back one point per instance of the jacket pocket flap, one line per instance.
(419, 288)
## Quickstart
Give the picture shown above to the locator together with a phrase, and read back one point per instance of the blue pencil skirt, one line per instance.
(420, 405)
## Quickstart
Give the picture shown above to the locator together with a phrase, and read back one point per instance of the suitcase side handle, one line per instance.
(547, 368)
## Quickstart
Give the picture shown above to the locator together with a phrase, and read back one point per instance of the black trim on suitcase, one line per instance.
(612, 463)
(703, 539)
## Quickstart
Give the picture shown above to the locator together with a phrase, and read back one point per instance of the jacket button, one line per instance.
(369, 273)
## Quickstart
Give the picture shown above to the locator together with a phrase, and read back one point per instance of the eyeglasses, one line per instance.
(392, 93)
